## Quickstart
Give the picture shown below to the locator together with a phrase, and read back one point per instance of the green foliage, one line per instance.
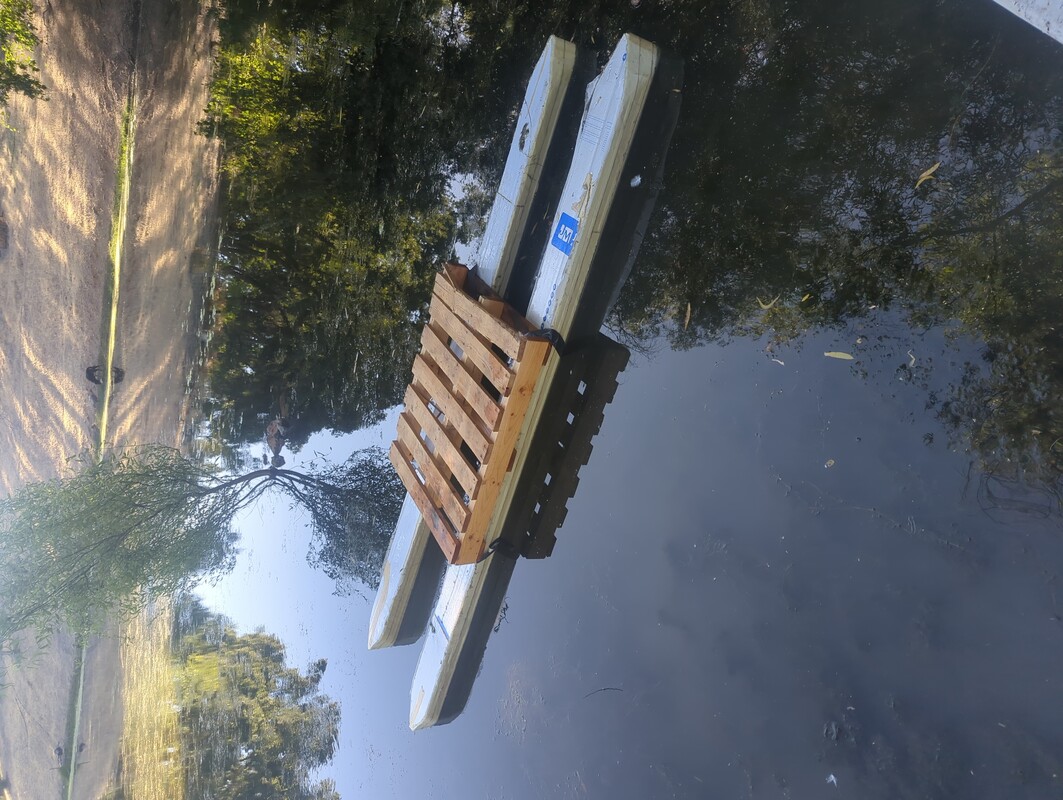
(250, 725)
(18, 39)
(109, 535)
(150, 521)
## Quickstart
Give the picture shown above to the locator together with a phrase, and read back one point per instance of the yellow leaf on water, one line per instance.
(686, 321)
(927, 175)
(766, 306)
(838, 354)
(803, 299)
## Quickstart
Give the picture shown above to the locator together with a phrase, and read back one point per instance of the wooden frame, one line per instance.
(472, 383)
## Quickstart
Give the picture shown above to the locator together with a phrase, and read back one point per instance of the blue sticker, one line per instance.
(565, 235)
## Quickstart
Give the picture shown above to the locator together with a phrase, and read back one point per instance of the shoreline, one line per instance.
(62, 192)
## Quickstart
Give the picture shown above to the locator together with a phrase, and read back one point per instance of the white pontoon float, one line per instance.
(615, 102)
(413, 565)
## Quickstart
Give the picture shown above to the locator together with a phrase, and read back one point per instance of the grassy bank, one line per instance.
(151, 764)
(73, 717)
(108, 335)
(112, 280)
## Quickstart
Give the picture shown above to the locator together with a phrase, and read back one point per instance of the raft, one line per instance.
(412, 567)
(615, 103)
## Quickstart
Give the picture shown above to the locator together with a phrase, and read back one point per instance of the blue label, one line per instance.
(565, 235)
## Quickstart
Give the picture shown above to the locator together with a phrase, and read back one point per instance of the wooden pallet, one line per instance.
(472, 383)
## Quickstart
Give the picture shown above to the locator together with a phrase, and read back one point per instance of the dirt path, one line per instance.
(57, 181)
(171, 224)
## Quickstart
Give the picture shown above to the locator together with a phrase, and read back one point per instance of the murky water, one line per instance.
(787, 573)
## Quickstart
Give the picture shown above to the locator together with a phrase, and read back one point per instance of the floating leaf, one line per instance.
(766, 306)
(927, 175)
(686, 321)
(838, 354)
(808, 295)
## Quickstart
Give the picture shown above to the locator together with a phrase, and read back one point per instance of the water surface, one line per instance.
(787, 574)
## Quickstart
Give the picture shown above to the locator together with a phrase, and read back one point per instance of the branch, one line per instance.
(1045, 190)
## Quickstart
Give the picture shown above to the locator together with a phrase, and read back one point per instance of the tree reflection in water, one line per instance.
(793, 206)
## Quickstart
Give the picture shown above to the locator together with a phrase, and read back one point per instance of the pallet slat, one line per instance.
(433, 343)
(441, 395)
(444, 535)
(436, 479)
(418, 416)
(472, 539)
(484, 317)
(475, 348)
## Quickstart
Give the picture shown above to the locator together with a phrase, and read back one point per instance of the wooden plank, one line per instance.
(446, 447)
(442, 532)
(472, 539)
(479, 317)
(464, 422)
(476, 349)
(436, 476)
(507, 313)
(455, 273)
(434, 344)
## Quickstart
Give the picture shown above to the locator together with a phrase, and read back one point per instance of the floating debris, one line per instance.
(766, 306)
(927, 175)
(838, 354)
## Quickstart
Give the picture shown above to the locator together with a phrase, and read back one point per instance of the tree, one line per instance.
(374, 494)
(149, 521)
(17, 41)
(250, 725)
